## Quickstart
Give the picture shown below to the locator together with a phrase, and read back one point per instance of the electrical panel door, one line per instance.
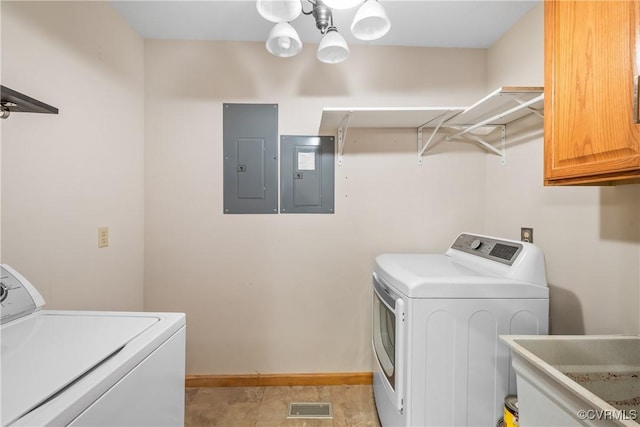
(306, 174)
(250, 140)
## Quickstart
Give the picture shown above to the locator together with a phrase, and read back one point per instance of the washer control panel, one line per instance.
(501, 251)
(15, 299)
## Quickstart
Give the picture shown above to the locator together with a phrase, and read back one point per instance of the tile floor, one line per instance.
(353, 405)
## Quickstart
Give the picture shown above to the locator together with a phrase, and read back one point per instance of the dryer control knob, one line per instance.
(475, 244)
(4, 292)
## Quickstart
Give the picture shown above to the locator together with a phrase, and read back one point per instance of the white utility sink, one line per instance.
(577, 380)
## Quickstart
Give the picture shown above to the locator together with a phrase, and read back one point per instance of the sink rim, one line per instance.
(514, 342)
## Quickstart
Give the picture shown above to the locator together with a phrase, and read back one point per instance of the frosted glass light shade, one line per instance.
(333, 48)
(341, 4)
(283, 40)
(279, 10)
(371, 21)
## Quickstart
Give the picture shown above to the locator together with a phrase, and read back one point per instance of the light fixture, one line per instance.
(342, 4)
(370, 23)
(279, 10)
(283, 41)
(333, 47)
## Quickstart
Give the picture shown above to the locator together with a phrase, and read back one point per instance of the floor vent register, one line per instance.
(310, 410)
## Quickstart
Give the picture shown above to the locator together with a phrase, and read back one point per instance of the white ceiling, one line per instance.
(444, 23)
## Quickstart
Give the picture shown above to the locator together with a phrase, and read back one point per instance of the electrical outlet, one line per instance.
(526, 234)
(103, 237)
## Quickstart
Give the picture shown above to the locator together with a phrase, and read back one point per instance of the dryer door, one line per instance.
(388, 334)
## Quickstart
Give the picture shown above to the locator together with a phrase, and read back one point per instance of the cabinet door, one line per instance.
(591, 58)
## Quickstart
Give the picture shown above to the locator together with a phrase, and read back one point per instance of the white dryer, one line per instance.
(87, 368)
(436, 321)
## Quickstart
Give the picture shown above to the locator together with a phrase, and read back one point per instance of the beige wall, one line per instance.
(292, 293)
(590, 235)
(64, 175)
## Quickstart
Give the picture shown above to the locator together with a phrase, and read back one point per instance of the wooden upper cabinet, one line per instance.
(592, 54)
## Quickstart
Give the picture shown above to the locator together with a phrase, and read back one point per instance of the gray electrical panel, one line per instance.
(250, 145)
(307, 174)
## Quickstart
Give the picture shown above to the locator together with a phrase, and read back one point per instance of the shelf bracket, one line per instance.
(423, 148)
(342, 135)
(501, 152)
(532, 110)
(496, 117)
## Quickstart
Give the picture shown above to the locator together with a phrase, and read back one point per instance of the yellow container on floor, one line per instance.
(511, 412)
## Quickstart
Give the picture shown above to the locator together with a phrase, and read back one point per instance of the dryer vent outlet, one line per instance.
(526, 234)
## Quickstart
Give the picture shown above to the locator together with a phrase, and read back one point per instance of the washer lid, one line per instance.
(44, 353)
(441, 276)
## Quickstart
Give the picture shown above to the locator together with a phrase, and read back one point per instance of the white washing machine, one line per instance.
(436, 321)
(87, 368)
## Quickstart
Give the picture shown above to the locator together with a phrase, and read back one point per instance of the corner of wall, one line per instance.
(517, 59)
